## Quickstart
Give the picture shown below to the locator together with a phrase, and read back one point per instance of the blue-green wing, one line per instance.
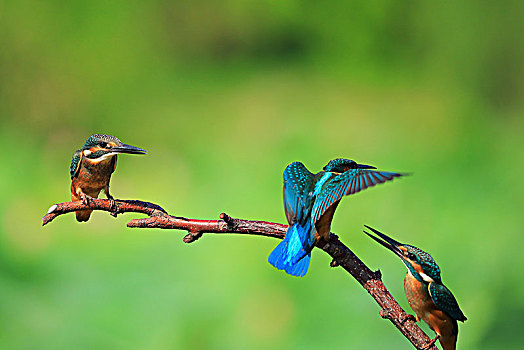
(349, 182)
(298, 182)
(75, 163)
(445, 301)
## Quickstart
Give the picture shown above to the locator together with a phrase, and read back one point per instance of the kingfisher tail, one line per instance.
(449, 342)
(83, 215)
(293, 254)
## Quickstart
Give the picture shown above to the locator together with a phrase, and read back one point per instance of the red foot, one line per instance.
(408, 317)
(112, 205)
(85, 198)
(431, 343)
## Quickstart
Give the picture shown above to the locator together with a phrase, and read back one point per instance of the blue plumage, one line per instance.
(445, 301)
(294, 252)
(310, 201)
(347, 183)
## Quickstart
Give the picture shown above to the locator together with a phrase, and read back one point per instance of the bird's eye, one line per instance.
(103, 144)
(411, 256)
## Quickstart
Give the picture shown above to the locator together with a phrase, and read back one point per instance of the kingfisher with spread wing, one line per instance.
(310, 201)
(92, 166)
(426, 294)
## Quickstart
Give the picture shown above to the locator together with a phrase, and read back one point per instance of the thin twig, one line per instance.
(341, 254)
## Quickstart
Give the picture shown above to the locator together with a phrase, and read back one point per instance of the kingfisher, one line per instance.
(92, 166)
(431, 301)
(310, 201)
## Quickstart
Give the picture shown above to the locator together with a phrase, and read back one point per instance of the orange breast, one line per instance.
(420, 301)
(92, 177)
(418, 297)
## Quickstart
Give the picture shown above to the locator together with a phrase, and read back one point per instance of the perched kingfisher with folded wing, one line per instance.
(431, 301)
(92, 166)
(310, 201)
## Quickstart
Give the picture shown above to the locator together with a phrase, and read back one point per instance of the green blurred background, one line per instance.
(223, 95)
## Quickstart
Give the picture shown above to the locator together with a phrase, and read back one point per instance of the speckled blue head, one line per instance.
(341, 165)
(101, 140)
(419, 263)
(99, 146)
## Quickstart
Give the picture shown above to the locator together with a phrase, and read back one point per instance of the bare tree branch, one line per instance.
(341, 254)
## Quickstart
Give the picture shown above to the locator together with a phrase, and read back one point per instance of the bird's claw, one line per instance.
(431, 343)
(408, 317)
(112, 205)
(85, 198)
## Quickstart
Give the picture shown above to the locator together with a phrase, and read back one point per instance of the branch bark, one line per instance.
(341, 254)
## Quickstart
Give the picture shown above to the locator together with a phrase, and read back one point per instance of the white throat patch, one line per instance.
(103, 157)
(108, 155)
(426, 277)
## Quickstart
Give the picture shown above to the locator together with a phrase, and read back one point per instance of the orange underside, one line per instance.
(424, 308)
(91, 182)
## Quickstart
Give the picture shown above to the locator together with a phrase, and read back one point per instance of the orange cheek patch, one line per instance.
(417, 268)
(90, 151)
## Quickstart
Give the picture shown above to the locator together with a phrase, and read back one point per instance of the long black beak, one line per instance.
(128, 149)
(364, 166)
(387, 242)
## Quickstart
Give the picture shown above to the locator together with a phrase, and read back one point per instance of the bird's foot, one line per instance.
(112, 205)
(86, 199)
(408, 317)
(431, 343)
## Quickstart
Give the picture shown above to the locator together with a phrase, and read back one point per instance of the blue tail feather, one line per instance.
(276, 258)
(300, 268)
(293, 254)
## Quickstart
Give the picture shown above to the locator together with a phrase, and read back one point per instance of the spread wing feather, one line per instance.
(347, 183)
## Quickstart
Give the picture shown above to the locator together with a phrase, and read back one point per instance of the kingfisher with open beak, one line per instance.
(92, 166)
(310, 201)
(431, 301)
